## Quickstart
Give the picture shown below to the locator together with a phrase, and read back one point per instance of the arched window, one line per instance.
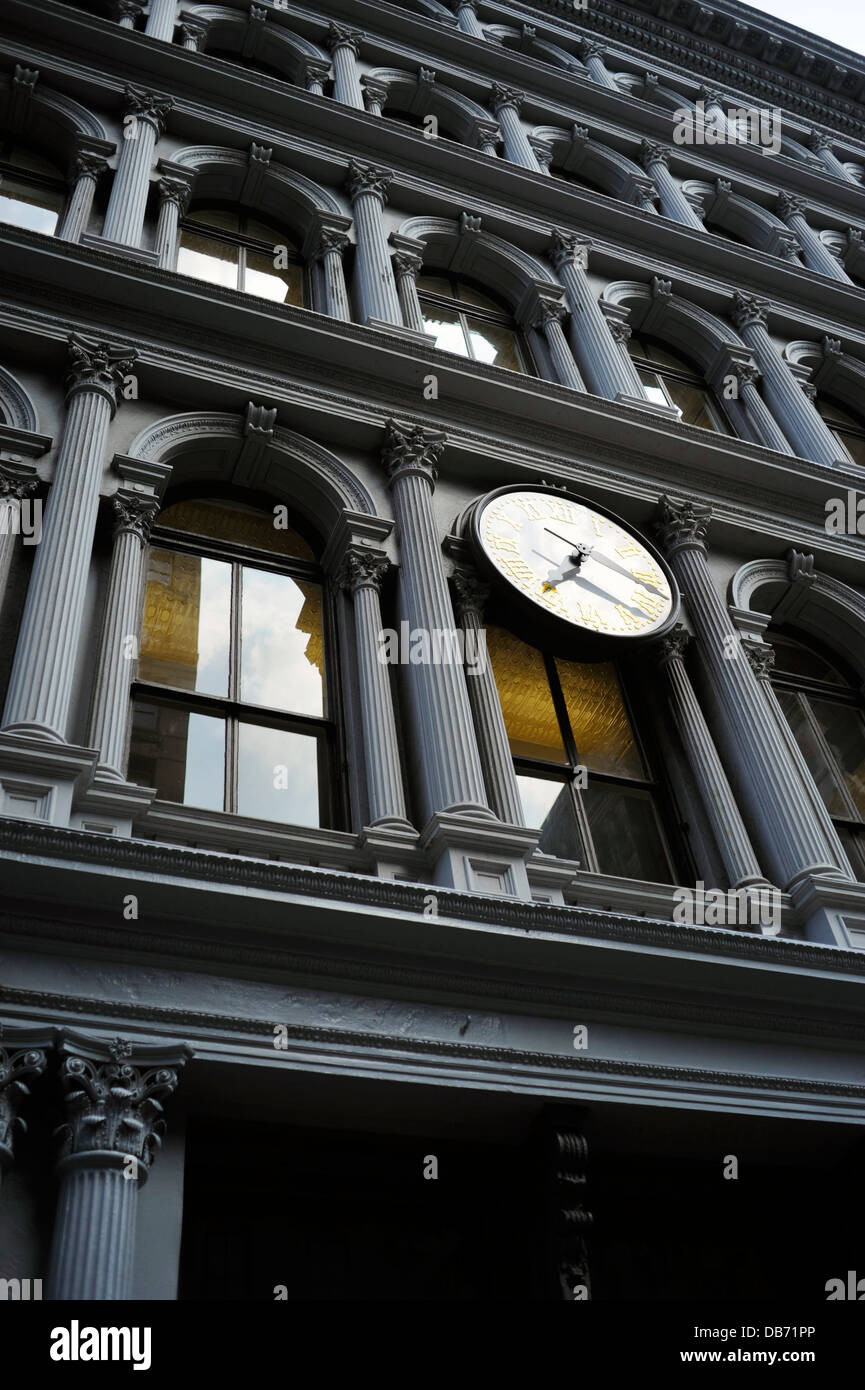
(232, 705)
(824, 708)
(561, 716)
(233, 55)
(670, 380)
(236, 249)
(849, 431)
(468, 321)
(32, 189)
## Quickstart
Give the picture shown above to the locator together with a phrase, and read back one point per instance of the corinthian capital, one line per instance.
(749, 309)
(363, 569)
(502, 95)
(97, 367)
(682, 525)
(366, 178)
(470, 591)
(819, 140)
(672, 646)
(340, 36)
(653, 153)
(147, 106)
(87, 164)
(568, 248)
(13, 485)
(175, 190)
(790, 205)
(113, 1098)
(761, 658)
(136, 515)
(22, 1058)
(411, 449)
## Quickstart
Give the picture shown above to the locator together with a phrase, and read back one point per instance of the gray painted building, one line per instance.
(486, 880)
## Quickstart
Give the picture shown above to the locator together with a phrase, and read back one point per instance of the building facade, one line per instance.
(366, 931)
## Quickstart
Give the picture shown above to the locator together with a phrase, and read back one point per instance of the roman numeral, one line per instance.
(650, 603)
(629, 622)
(629, 549)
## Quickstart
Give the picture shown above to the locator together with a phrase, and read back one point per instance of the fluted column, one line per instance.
(126, 12)
(407, 266)
(193, 32)
(162, 19)
(787, 837)
(362, 574)
(86, 168)
(328, 250)
(143, 123)
(506, 103)
(375, 287)
(117, 656)
(467, 18)
(762, 658)
(809, 435)
(606, 370)
(548, 320)
(594, 56)
(315, 73)
(731, 837)
(655, 159)
(498, 765)
(40, 687)
(821, 144)
(22, 1059)
(375, 95)
(344, 46)
(768, 430)
(791, 209)
(14, 488)
(715, 106)
(174, 194)
(113, 1098)
(447, 759)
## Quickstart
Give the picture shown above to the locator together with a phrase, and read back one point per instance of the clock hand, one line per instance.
(611, 564)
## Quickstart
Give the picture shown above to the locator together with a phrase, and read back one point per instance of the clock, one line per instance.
(573, 570)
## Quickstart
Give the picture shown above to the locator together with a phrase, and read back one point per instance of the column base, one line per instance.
(831, 910)
(666, 412)
(56, 784)
(110, 807)
(549, 877)
(391, 848)
(414, 335)
(479, 856)
(100, 243)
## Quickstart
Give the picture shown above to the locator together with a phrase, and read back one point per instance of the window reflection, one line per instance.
(238, 251)
(469, 322)
(669, 379)
(32, 189)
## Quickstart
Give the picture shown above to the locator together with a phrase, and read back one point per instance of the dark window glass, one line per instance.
(669, 379)
(32, 189)
(468, 321)
(847, 429)
(235, 249)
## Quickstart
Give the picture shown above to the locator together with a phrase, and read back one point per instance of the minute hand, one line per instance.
(613, 565)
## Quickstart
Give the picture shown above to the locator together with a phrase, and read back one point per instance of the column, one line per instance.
(787, 836)
(22, 1058)
(315, 73)
(731, 837)
(193, 33)
(143, 123)
(809, 435)
(116, 663)
(362, 574)
(606, 370)
(40, 687)
(85, 170)
(548, 319)
(14, 488)
(375, 95)
(162, 19)
(373, 273)
(487, 137)
(506, 102)
(762, 658)
(768, 430)
(821, 144)
(126, 12)
(344, 45)
(495, 750)
(407, 266)
(174, 193)
(791, 209)
(655, 159)
(113, 1101)
(594, 55)
(467, 18)
(328, 250)
(447, 759)
(714, 106)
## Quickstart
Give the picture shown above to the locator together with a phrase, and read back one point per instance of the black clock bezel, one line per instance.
(560, 637)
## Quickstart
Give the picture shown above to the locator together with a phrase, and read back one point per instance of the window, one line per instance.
(825, 711)
(669, 380)
(231, 704)
(467, 321)
(235, 249)
(849, 432)
(32, 189)
(561, 715)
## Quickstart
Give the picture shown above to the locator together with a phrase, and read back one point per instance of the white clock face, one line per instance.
(575, 563)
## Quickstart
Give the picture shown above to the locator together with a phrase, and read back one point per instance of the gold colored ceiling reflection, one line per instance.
(524, 692)
(600, 725)
(226, 521)
(310, 620)
(169, 629)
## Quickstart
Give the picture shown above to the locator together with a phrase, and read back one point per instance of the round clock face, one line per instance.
(575, 563)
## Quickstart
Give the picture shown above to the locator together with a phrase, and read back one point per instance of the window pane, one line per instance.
(216, 217)
(261, 277)
(436, 284)
(494, 344)
(549, 807)
(282, 654)
(854, 445)
(24, 158)
(854, 844)
(625, 832)
(206, 259)
(263, 231)
(469, 295)
(36, 209)
(277, 775)
(445, 326)
(524, 692)
(653, 387)
(599, 722)
(694, 405)
(186, 625)
(796, 659)
(235, 522)
(843, 731)
(179, 752)
(813, 753)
